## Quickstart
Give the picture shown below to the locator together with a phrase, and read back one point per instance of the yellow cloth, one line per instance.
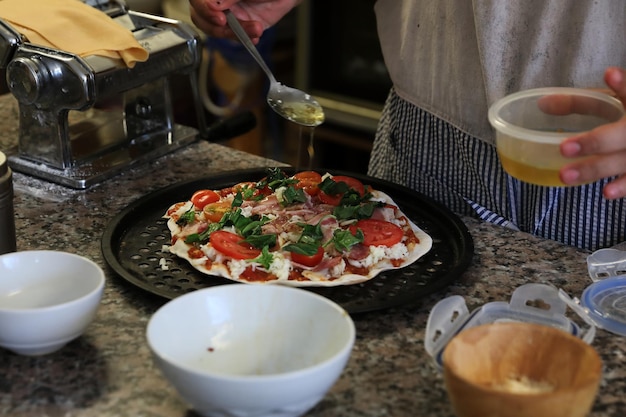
(72, 26)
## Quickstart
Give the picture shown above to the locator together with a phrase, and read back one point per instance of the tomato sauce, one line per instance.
(396, 262)
(256, 275)
(296, 275)
(226, 191)
(195, 253)
(409, 234)
(174, 209)
(351, 269)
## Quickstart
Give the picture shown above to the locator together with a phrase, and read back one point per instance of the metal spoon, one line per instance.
(290, 103)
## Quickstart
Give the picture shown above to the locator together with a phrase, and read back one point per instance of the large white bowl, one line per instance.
(251, 350)
(47, 299)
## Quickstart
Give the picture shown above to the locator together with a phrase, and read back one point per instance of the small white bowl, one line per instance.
(47, 299)
(251, 350)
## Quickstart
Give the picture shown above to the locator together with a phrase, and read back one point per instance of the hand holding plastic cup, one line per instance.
(530, 126)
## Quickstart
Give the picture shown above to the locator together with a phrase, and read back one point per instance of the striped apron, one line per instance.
(421, 151)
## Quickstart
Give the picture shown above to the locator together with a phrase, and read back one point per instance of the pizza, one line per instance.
(306, 229)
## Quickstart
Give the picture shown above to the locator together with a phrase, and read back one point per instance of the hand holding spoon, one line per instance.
(291, 103)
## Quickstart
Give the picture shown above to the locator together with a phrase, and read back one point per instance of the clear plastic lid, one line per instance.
(604, 302)
(532, 303)
(606, 263)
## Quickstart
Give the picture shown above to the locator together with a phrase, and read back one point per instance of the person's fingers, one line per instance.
(220, 5)
(615, 78)
(604, 148)
(601, 140)
(204, 7)
(253, 28)
(203, 14)
(214, 24)
(615, 189)
(593, 168)
(210, 25)
(564, 104)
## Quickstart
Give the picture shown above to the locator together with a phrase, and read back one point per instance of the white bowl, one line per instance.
(47, 299)
(251, 350)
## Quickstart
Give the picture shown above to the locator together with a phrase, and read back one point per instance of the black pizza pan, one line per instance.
(133, 246)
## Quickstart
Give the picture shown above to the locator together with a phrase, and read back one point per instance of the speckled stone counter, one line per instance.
(109, 372)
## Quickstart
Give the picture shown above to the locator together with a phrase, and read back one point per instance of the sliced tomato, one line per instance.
(308, 181)
(351, 182)
(232, 245)
(330, 199)
(214, 212)
(308, 260)
(203, 197)
(378, 232)
(265, 191)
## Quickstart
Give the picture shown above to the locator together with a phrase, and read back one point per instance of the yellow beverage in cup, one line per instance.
(533, 162)
(530, 126)
(531, 174)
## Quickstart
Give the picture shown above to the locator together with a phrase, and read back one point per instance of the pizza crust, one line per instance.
(216, 264)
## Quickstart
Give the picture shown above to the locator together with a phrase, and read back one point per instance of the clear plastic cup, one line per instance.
(531, 124)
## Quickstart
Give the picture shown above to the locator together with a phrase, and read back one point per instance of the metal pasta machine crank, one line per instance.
(85, 119)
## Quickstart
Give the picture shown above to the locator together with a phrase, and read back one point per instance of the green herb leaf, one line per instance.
(344, 240)
(234, 218)
(261, 241)
(275, 179)
(307, 249)
(351, 198)
(358, 211)
(265, 258)
(188, 217)
(203, 237)
(311, 234)
(238, 199)
(252, 228)
(293, 195)
(331, 187)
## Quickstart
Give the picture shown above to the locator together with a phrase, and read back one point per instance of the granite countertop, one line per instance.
(109, 372)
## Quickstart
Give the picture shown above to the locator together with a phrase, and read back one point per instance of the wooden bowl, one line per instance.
(520, 370)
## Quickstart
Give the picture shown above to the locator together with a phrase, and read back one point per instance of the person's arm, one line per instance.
(604, 147)
(255, 15)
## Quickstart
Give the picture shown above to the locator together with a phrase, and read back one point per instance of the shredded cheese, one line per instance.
(523, 385)
(163, 264)
(280, 266)
(236, 267)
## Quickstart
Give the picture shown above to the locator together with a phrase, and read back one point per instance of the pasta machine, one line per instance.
(85, 119)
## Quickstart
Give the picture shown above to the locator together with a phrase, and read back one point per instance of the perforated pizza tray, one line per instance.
(133, 241)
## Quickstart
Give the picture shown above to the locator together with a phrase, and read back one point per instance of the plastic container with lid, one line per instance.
(532, 303)
(531, 124)
(604, 301)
